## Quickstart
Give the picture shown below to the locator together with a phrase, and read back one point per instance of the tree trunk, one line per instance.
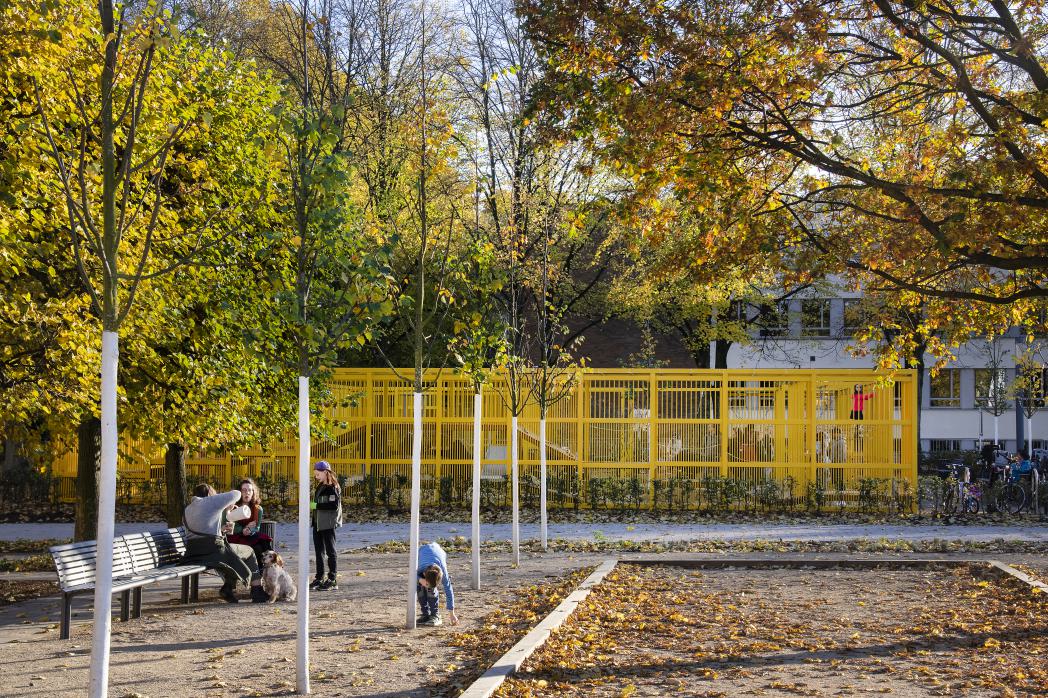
(11, 449)
(416, 496)
(542, 485)
(514, 484)
(700, 354)
(305, 482)
(721, 353)
(88, 460)
(175, 477)
(478, 416)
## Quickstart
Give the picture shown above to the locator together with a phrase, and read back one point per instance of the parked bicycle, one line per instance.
(964, 496)
(1012, 495)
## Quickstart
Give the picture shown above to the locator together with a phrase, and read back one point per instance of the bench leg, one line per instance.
(136, 603)
(185, 589)
(125, 604)
(194, 587)
(67, 611)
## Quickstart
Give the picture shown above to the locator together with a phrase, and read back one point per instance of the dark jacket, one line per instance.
(327, 514)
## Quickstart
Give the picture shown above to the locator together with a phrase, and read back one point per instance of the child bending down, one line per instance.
(433, 572)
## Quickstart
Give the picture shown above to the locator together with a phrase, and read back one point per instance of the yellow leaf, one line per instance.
(628, 691)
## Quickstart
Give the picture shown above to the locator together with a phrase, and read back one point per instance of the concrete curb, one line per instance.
(1009, 571)
(801, 563)
(510, 662)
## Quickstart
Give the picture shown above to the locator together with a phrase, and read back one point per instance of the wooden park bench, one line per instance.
(138, 559)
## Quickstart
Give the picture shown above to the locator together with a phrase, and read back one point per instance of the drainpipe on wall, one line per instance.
(1020, 423)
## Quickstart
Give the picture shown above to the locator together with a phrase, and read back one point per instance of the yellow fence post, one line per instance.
(653, 441)
(581, 410)
(439, 393)
(724, 422)
(369, 412)
(811, 427)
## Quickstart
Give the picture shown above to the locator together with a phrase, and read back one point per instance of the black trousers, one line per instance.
(324, 543)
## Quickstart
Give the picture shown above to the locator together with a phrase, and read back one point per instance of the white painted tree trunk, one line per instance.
(996, 431)
(542, 484)
(515, 484)
(478, 416)
(106, 513)
(416, 493)
(1029, 436)
(305, 483)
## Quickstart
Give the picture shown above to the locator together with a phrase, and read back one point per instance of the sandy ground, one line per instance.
(664, 630)
(359, 645)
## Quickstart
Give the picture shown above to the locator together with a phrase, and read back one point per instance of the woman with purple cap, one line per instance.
(326, 516)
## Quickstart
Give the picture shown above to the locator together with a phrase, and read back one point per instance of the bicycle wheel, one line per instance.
(971, 505)
(1012, 499)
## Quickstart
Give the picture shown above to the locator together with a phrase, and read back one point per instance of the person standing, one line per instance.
(326, 516)
(859, 399)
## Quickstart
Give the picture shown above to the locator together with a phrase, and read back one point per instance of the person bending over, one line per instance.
(432, 573)
(205, 544)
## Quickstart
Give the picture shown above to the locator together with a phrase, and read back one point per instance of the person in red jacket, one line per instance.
(859, 399)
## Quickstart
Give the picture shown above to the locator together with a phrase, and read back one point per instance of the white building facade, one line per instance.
(815, 333)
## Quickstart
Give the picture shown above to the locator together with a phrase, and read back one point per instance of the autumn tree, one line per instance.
(113, 109)
(901, 139)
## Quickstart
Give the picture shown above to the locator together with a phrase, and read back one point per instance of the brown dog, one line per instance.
(275, 580)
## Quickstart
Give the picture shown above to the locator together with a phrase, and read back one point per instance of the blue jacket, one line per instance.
(433, 554)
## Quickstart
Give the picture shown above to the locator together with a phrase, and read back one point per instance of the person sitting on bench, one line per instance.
(205, 544)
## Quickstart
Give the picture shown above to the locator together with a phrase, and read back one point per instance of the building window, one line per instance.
(853, 315)
(815, 318)
(938, 445)
(743, 312)
(991, 389)
(946, 388)
(775, 319)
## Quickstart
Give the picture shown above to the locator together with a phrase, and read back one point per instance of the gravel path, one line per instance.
(354, 535)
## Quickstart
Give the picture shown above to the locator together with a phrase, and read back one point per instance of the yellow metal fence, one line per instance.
(670, 439)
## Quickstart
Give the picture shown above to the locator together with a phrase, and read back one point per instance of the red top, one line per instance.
(859, 400)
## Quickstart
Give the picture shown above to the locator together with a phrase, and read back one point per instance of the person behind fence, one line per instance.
(204, 519)
(325, 517)
(432, 574)
(859, 400)
(246, 531)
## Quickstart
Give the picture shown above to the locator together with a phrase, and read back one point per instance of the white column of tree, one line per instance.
(428, 226)
(114, 206)
(479, 349)
(992, 389)
(335, 286)
(556, 373)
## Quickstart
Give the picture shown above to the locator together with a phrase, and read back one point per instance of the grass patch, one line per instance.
(23, 545)
(460, 544)
(15, 591)
(33, 563)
